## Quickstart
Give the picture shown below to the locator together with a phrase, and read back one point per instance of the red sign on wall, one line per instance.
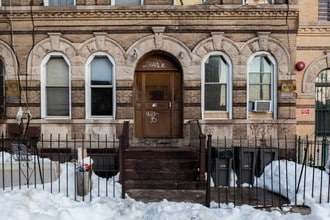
(304, 112)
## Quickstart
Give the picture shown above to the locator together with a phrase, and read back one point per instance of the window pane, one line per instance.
(101, 71)
(215, 97)
(265, 92)
(254, 92)
(254, 78)
(57, 101)
(265, 78)
(128, 2)
(216, 69)
(265, 64)
(255, 65)
(57, 72)
(61, 2)
(260, 78)
(101, 101)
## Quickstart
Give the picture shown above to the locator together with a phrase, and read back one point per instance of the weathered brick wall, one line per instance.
(184, 29)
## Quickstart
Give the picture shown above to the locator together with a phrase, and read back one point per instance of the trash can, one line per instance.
(222, 165)
(244, 164)
(83, 181)
(265, 156)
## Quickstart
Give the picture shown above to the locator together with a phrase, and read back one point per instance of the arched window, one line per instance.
(261, 84)
(322, 103)
(56, 86)
(216, 85)
(100, 99)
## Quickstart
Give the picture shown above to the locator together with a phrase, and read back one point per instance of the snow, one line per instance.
(30, 203)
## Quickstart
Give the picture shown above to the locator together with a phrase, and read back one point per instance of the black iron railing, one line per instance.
(268, 173)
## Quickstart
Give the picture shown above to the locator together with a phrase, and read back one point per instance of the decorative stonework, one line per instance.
(263, 40)
(55, 41)
(100, 40)
(9, 60)
(217, 40)
(312, 71)
(159, 12)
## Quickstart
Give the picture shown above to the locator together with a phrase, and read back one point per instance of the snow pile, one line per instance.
(283, 177)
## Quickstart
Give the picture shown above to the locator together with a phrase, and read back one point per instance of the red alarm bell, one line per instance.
(300, 65)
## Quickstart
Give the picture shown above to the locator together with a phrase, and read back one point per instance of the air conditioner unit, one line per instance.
(262, 106)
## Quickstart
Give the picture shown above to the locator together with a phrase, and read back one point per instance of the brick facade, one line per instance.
(187, 33)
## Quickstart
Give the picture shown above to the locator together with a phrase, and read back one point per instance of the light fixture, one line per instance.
(134, 54)
(181, 55)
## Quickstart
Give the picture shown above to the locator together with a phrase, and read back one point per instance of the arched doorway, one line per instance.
(158, 97)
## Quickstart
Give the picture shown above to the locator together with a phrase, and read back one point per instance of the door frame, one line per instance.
(158, 63)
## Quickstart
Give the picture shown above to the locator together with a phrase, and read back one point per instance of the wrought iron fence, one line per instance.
(268, 173)
(79, 168)
(260, 173)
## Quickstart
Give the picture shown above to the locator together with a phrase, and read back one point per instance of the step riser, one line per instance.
(161, 164)
(164, 185)
(161, 168)
(161, 155)
(161, 175)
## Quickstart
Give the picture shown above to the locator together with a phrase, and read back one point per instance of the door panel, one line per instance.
(158, 108)
(158, 104)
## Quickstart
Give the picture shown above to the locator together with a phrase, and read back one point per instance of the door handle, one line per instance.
(154, 105)
(170, 104)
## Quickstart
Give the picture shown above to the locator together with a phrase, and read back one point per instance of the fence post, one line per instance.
(208, 181)
(299, 150)
(202, 139)
(325, 148)
(123, 144)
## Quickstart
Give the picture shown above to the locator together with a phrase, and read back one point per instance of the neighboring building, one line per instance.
(84, 67)
(313, 48)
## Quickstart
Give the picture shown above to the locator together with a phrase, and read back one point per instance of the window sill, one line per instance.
(216, 115)
(260, 115)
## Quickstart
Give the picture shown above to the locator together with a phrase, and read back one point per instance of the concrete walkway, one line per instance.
(256, 197)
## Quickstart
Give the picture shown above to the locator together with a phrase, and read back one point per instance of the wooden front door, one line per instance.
(158, 106)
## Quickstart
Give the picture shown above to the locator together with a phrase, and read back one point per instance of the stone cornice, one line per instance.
(149, 12)
(314, 30)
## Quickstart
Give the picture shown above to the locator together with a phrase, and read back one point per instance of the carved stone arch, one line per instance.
(217, 43)
(100, 43)
(160, 43)
(308, 82)
(268, 44)
(54, 43)
(9, 60)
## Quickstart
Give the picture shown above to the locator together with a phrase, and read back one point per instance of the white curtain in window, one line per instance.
(101, 90)
(57, 87)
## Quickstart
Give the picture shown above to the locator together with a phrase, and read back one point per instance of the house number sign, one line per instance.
(152, 116)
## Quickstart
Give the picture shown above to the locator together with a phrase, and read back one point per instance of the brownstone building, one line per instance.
(83, 67)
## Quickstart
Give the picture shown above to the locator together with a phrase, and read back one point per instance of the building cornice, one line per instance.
(150, 12)
(314, 30)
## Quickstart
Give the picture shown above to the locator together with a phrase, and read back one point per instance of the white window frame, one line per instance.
(229, 86)
(113, 2)
(273, 89)
(43, 86)
(46, 3)
(88, 89)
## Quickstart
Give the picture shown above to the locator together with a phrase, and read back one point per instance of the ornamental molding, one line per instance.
(314, 30)
(151, 13)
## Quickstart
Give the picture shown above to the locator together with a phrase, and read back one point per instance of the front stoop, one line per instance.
(172, 168)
